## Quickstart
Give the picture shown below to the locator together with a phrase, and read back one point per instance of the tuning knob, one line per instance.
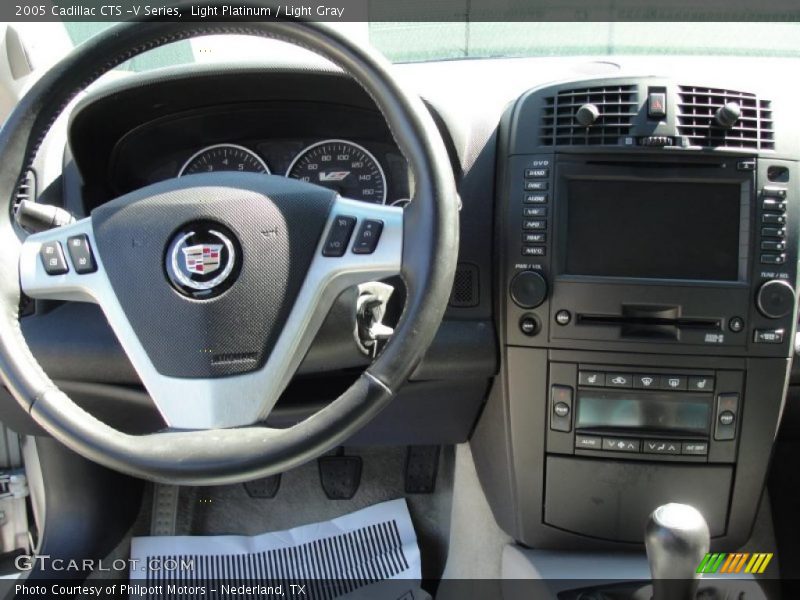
(587, 114)
(727, 115)
(528, 289)
(775, 299)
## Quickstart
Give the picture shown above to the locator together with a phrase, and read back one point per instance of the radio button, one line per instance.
(536, 173)
(701, 383)
(768, 336)
(528, 289)
(773, 204)
(673, 382)
(773, 259)
(534, 238)
(534, 211)
(535, 199)
(661, 447)
(773, 245)
(645, 382)
(621, 444)
(778, 232)
(619, 380)
(536, 186)
(534, 224)
(591, 378)
(773, 192)
(773, 219)
(695, 448)
(588, 442)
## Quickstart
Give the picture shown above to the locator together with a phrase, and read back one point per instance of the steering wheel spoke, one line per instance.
(64, 264)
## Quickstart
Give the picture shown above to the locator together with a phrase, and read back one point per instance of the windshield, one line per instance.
(411, 42)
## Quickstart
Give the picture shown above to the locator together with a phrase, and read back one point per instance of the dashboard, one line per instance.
(621, 327)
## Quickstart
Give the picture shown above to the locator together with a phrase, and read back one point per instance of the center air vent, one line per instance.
(616, 106)
(697, 109)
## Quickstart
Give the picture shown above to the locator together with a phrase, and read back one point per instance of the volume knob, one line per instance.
(775, 299)
(528, 289)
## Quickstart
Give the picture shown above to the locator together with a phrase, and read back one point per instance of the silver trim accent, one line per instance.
(211, 403)
(214, 147)
(342, 141)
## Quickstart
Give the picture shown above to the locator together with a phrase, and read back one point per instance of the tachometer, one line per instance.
(224, 157)
(344, 166)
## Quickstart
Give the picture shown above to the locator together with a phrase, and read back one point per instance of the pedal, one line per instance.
(266, 487)
(340, 476)
(422, 465)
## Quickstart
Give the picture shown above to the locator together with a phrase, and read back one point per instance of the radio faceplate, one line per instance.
(569, 285)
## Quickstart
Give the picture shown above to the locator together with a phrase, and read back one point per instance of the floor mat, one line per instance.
(356, 555)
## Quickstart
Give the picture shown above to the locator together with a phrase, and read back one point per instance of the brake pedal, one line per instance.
(422, 465)
(340, 476)
(266, 487)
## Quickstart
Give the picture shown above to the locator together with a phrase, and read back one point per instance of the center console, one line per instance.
(647, 296)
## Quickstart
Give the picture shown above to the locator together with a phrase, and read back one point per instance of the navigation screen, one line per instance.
(653, 229)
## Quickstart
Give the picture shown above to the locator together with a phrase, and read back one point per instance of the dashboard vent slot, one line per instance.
(697, 107)
(616, 105)
(26, 189)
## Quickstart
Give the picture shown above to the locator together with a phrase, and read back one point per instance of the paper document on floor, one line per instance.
(370, 553)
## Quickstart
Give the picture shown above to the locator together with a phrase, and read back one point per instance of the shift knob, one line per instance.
(676, 539)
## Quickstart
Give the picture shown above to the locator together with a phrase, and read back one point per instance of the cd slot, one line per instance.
(642, 326)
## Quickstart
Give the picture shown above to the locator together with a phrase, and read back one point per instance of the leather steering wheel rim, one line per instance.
(219, 456)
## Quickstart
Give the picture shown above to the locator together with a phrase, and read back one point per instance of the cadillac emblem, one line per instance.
(202, 260)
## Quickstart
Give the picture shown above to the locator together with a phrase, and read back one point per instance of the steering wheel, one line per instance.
(216, 284)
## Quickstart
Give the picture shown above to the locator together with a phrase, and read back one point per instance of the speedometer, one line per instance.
(344, 166)
(224, 157)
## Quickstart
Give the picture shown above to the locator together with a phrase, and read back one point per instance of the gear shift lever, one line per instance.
(676, 539)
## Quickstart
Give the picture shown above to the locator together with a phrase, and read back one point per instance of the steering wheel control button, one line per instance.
(528, 289)
(368, 236)
(619, 380)
(563, 317)
(561, 412)
(529, 325)
(202, 260)
(339, 236)
(80, 253)
(53, 258)
(775, 299)
(727, 411)
(736, 324)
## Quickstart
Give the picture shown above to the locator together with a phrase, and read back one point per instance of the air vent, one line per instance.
(616, 106)
(697, 108)
(26, 190)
